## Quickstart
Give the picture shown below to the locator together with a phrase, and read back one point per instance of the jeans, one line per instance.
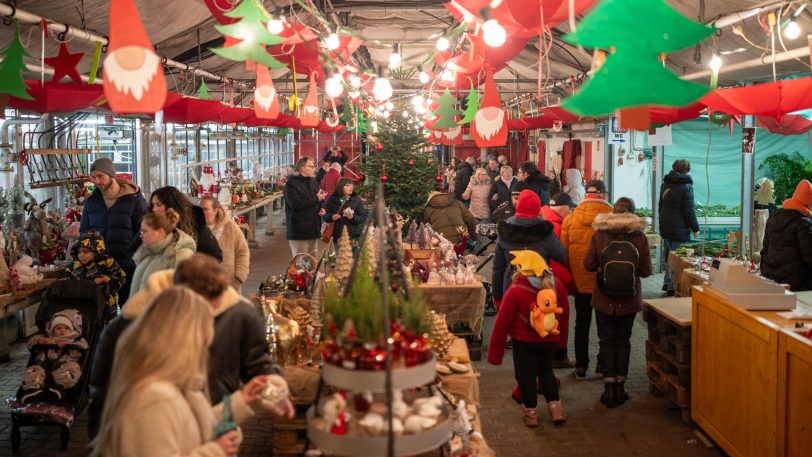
(532, 361)
(304, 246)
(614, 335)
(583, 319)
(668, 283)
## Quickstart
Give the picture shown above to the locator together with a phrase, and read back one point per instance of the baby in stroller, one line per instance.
(92, 263)
(56, 359)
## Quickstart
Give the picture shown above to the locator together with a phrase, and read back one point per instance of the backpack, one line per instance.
(617, 269)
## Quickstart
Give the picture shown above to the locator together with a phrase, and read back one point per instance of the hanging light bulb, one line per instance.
(334, 86)
(355, 94)
(275, 25)
(442, 44)
(493, 33)
(382, 89)
(792, 30)
(405, 113)
(389, 106)
(468, 17)
(423, 77)
(386, 114)
(395, 58)
(355, 81)
(447, 75)
(332, 42)
(418, 101)
(715, 63)
(374, 125)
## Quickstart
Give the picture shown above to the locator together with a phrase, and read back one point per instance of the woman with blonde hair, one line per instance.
(157, 404)
(236, 256)
(478, 190)
(163, 247)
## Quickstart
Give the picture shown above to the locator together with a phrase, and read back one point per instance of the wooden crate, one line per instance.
(289, 436)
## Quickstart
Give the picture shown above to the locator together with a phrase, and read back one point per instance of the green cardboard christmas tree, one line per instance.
(471, 106)
(639, 31)
(251, 33)
(203, 93)
(446, 112)
(12, 66)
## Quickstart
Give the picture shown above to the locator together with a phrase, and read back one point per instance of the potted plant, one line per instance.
(787, 170)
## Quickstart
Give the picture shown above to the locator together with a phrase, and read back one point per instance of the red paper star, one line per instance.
(65, 63)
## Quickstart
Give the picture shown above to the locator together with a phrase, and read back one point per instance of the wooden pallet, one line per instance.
(668, 361)
(668, 386)
(288, 436)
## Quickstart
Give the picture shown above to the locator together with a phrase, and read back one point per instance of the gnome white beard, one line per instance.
(264, 96)
(310, 110)
(453, 133)
(131, 81)
(488, 121)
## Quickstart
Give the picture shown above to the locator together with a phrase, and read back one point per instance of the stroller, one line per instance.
(86, 297)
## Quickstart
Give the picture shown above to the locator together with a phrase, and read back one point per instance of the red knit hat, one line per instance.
(803, 193)
(529, 204)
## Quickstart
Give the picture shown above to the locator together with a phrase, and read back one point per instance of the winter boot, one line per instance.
(530, 416)
(556, 410)
(619, 392)
(516, 395)
(608, 397)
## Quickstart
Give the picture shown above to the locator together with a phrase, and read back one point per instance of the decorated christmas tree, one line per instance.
(345, 257)
(12, 66)
(446, 112)
(406, 170)
(423, 237)
(251, 33)
(628, 76)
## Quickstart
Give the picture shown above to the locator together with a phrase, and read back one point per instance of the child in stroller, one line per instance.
(91, 262)
(56, 359)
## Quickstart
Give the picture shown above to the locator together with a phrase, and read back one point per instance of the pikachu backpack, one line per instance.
(543, 310)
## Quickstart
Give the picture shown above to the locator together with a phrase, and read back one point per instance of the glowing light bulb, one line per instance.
(468, 18)
(447, 75)
(394, 60)
(493, 33)
(405, 113)
(386, 114)
(418, 101)
(334, 86)
(423, 77)
(792, 31)
(355, 94)
(443, 44)
(715, 63)
(382, 89)
(389, 106)
(420, 109)
(332, 42)
(355, 81)
(275, 25)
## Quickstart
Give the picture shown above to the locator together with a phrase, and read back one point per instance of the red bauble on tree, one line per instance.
(411, 162)
(438, 178)
(383, 178)
(379, 147)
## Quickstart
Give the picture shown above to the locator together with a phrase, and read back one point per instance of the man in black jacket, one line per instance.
(464, 172)
(303, 209)
(677, 214)
(115, 210)
(500, 190)
(529, 172)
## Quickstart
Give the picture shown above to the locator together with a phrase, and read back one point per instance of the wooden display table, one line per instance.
(750, 376)
(268, 204)
(668, 351)
(463, 304)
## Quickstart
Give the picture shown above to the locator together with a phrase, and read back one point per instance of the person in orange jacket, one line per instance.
(576, 233)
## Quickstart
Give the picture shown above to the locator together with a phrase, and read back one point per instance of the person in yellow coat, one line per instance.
(576, 233)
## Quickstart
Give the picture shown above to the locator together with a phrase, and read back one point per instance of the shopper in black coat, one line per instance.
(336, 154)
(303, 209)
(500, 190)
(787, 253)
(464, 172)
(677, 214)
(529, 172)
(342, 200)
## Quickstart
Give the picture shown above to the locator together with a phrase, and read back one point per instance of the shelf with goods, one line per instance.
(377, 393)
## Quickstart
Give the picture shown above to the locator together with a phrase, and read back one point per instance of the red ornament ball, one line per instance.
(383, 178)
(438, 178)
(411, 162)
(379, 146)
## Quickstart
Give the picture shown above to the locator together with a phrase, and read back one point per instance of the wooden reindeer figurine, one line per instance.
(36, 227)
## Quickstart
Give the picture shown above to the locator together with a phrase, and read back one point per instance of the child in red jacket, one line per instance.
(532, 354)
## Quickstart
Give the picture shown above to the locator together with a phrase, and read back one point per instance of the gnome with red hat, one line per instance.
(134, 80)
(266, 102)
(490, 127)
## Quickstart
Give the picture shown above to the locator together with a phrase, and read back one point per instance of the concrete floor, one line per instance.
(644, 426)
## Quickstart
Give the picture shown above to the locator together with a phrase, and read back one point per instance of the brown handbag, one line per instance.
(327, 234)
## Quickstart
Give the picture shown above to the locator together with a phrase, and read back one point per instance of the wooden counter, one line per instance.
(750, 377)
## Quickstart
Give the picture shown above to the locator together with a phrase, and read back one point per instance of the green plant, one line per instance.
(787, 171)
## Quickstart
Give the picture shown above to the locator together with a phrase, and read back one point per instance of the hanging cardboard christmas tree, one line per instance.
(309, 111)
(345, 256)
(134, 80)
(634, 75)
(489, 127)
(252, 34)
(203, 92)
(12, 66)
(266, 100)
(446, 112)
(471, 106)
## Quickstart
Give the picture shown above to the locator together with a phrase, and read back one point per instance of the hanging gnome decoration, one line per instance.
(309, 112)
(266, 101)
(452, 136)
(133, 76)
(489, 127)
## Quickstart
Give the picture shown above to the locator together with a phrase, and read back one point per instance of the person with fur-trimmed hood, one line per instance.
(91, 263)
(614, 312)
